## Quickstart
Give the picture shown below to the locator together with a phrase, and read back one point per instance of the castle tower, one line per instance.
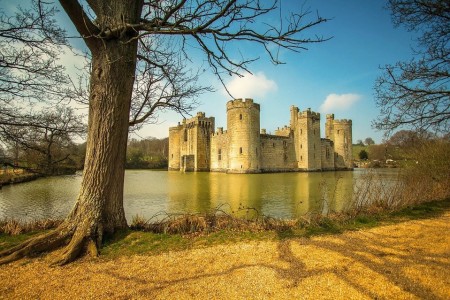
(189, 144)
(307, 140)
(329, 126)
(174, 147)
(243, 125)
(340, 132)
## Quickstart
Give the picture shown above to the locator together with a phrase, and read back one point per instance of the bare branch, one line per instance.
(416, 93)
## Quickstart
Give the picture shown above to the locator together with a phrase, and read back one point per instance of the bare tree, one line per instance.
(416, 93)
(409, 139)
(33, 82)
(30, 43)
(369, 141)
(43, 140)
(213, 27)
(162, 82)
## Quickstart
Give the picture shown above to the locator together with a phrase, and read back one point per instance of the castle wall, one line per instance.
(194, 146)
(284, 131)
(203, 140)
(277, 153)
(327, 154)
(244, 138)
(219, 151)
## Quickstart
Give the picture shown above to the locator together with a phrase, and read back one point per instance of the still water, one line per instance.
(149, 193)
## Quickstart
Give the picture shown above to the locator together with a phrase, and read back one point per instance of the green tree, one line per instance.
(363, 154)
(114, 31)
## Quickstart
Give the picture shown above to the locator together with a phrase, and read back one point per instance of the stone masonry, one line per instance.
(195, 145)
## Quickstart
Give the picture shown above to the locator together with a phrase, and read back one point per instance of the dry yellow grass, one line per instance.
(410, 260)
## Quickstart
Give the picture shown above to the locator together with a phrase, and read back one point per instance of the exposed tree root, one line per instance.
(78, 240)
(43, 243)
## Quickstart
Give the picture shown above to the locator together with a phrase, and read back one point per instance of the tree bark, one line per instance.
(99, 207)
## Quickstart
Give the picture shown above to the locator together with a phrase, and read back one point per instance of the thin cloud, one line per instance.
(74, 61)
(339, 102)
(251, 86)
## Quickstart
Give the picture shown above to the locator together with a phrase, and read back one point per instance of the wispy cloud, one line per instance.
(74, 61)
(338, 102)
(251, 86)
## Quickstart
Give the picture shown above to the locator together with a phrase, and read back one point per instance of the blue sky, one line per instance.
(336, 76)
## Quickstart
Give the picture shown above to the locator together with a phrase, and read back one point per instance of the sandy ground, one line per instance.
(409, 260)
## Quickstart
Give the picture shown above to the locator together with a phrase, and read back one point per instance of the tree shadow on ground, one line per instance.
(405, 260)
(401, 264)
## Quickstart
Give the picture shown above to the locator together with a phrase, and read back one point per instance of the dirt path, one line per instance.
(410, 260)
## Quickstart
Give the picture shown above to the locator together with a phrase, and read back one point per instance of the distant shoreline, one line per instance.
(7, 179)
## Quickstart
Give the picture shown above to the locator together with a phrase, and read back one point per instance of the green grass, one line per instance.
(356, 149)
(136, 242)
(8, 241)
(130, 242)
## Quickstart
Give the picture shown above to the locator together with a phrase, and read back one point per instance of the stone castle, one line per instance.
(195, 145)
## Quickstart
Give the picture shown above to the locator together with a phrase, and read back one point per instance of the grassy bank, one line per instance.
(11, 178)
(138, 241)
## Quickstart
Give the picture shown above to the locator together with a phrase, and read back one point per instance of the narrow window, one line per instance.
(240, 150)
(301, 146)
(240, 117)
(301, 131)
(172, 155)
(220, 154)
(301, 158)
(185, 135)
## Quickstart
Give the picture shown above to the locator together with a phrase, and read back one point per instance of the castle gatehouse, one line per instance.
(195, 144)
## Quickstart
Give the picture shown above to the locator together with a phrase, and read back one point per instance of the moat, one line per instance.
(147, 193)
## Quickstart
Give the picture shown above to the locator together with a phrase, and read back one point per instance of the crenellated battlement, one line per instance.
(294, 109)
(309, 114)
(198, 120)
(219, 132)
(284, 131)
(343, 122)
(242, 103)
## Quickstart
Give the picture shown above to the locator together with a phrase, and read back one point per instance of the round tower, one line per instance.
(343, 143)
(244, 136)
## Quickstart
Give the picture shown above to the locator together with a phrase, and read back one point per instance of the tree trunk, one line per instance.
(99, 207)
